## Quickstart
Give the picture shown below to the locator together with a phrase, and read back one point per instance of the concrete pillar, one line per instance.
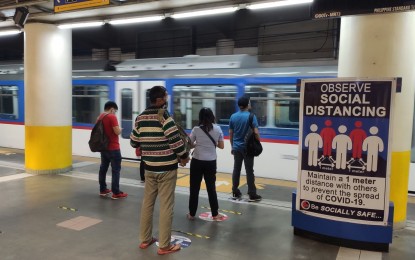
(48, 98)
(384, 46)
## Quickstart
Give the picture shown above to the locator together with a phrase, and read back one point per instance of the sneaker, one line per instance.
(254, 197)
(236, 195)
(105, 192)
(120, 195)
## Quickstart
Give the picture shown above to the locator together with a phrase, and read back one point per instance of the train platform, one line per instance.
(63, 217)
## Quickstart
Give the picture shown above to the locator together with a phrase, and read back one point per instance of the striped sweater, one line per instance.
(160, 142)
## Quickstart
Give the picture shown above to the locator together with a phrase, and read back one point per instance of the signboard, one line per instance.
(344, 157)
(332, 9)
(68, 5)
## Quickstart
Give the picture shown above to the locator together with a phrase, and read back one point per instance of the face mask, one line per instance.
(165, 106)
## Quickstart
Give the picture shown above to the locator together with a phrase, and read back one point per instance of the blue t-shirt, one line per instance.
(239, 124)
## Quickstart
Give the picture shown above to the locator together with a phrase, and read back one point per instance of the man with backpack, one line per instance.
(112, 154)
(162, 148)
(238, 128)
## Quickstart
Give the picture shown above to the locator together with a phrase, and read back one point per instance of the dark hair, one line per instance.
(243, 101)
(109, 105)
(157, 92)
(206, 118)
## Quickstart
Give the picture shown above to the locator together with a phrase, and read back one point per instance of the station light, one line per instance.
(278, 4)
(204, 12)
(180, 15)
(9, 32)
(136, 20)
(80, 25)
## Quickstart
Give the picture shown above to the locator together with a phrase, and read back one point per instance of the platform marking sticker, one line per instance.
(67, 208)
(183, 241)
(190, 234)
(207, 216)
(79, 223)
(224, 210)
(355, 254)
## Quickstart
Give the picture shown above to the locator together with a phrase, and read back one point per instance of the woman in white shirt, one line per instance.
(205, 137)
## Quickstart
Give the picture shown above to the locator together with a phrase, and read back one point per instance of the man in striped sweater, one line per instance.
(162, 149)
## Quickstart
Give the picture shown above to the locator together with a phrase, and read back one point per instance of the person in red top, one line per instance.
(112, 154)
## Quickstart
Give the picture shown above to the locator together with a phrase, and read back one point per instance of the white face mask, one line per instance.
(165, 105)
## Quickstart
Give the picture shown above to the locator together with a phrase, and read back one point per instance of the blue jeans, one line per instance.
(113, 157)
(240, 157)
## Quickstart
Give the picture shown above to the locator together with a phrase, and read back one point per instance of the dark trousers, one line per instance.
(240, 157)
(113, 157)
(207, 170)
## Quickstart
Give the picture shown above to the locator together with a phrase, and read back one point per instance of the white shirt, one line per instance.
(204, 149)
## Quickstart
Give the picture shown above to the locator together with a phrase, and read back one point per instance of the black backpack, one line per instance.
(253, 146)
(98, 141)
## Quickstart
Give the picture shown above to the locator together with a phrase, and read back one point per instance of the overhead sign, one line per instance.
(332, 9)
(68, 5)
(344, 157)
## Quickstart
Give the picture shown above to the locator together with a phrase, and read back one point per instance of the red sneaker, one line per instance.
(120, 195)
(105, 192)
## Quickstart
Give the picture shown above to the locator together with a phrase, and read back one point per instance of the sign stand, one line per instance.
(358, 236)
(343, 179)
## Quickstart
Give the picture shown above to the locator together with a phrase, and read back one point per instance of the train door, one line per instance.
(132, 99)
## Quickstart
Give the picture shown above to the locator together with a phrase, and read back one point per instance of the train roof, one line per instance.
(221, 66)
(192, 62)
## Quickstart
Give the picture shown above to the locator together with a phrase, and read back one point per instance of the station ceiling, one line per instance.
(43, 10)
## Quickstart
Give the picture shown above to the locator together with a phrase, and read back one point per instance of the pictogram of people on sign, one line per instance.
(328, 134)
(373, 145)
(343, 142)
(313, 141)
(357, 135)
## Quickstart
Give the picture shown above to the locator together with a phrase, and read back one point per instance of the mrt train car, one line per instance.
(192, 83)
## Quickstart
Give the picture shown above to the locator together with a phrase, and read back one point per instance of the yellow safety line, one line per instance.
(224, 210)
(191, 234)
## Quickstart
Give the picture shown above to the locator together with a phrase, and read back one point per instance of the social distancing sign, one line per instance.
(344, 149)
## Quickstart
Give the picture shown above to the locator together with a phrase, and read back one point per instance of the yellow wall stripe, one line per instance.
(48, 149)
(399, 183)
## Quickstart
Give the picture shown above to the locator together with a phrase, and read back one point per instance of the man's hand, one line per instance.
(183, 162)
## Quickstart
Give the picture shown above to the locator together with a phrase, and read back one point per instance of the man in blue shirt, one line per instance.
(238, 127)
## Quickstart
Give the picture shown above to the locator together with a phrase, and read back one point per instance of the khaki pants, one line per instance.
(162, 184)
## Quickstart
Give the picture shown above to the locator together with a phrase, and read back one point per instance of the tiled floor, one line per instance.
(63, 217)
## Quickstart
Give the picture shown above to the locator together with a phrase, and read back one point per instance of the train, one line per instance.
(192, 82)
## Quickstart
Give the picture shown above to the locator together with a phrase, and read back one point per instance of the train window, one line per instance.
(9, 102)
(275, 105)
(126, 112)
(88, 102)
(188, 100)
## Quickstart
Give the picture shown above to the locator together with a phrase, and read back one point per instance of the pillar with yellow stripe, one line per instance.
(48, 98)
(379, 46)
